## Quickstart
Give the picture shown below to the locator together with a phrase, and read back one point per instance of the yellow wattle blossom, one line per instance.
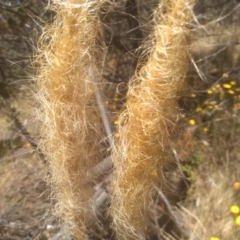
(205, 129)
(236, 185)
(113, 106)
(213, 89)
(193, 95)
(154, 174)
(225, 75)
(199, 109)
(210, 91)
(237, 97)
(227, 86)
(233, 83)
(28, 145)
(192, 122)
(236, 106)
(234, 209)
(116, 122)
(204, 111)
(237, 220)
(231, 91)
(214, 238)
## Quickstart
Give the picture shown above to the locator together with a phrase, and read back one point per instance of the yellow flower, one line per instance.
(217, 86)
(231, 91)
(198, 109)
(193, 95)
(236, 185)
(214, 238)
(116, 122)
(28, 145)
(113, 106)
(234, 209)
(213, 89)
(205, 129)
(210, 91)
(233, 83)
(225, 75)
(237, 106)
(237, 220)
(192, 122)
(227, 86)
(154, 173)
(210, 107)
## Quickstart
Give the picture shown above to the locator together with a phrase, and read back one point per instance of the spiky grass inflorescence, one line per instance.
(148, 124)
(70, 49)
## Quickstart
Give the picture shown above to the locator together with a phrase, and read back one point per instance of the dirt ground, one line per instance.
(25, 203)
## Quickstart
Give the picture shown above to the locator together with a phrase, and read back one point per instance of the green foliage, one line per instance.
(195, 159)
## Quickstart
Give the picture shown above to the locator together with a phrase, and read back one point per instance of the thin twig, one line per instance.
(15, 155)
(101, 195)
(28, 136)
(102, 167)
(194, 217)
(103, 110)
(170, 211)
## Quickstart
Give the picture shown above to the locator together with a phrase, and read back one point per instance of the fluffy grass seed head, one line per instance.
(148, 125)
(72, 130)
